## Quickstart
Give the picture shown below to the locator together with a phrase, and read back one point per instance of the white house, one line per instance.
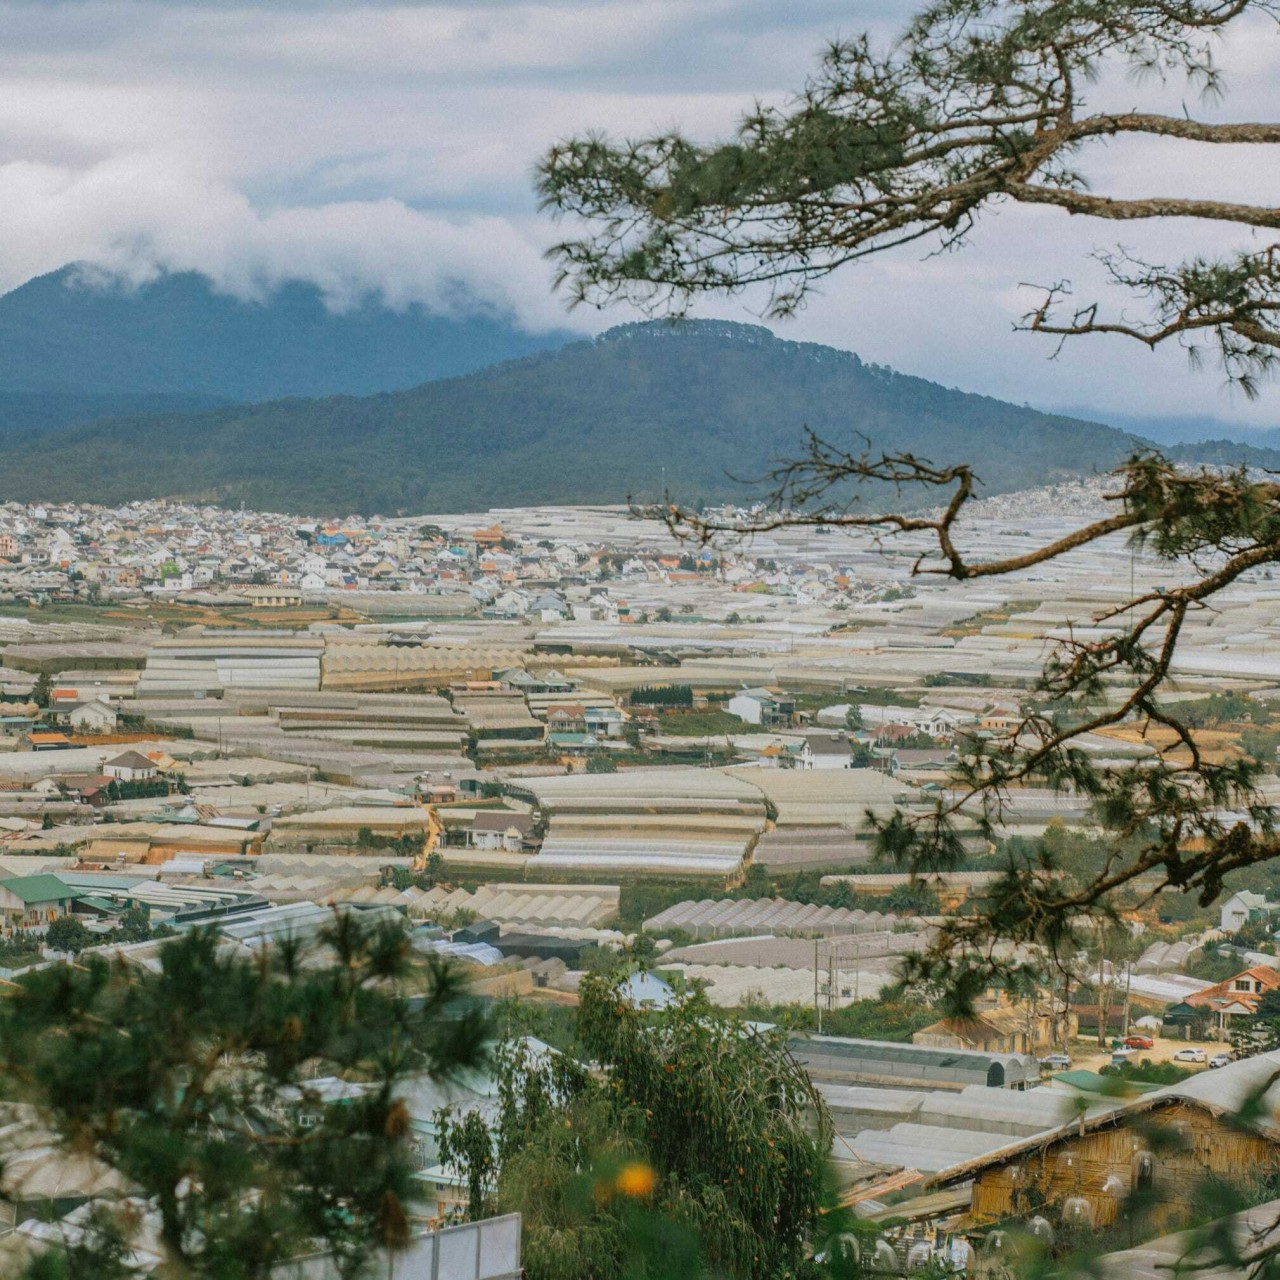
(1242, 907)
(549, 607)
(94, 716)
(826, 751)
(499, 829)
(647, 991)
(130, 766)
(764, 707)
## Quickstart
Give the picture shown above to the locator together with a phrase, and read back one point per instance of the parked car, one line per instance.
(1139, 1042)
(1056, 1061)
(1189, 1055)
(1220, 1060)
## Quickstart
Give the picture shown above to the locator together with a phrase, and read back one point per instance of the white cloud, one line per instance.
(388, 147)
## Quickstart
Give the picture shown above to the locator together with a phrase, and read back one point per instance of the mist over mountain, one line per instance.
(703, 406)
(72, 331)
(1180, 429)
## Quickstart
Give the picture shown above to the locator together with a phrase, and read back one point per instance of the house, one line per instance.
(130, 766)
(647, 991)
(1001, 1024)
(1242, 908)
(604, 721)
(94, 716)
(490, 537)
(88, 788)
(438, 792)
(510, 604)
(826, 751)
(518, 680)
(30, 901)
(569, 718)
(500, 829)
(1009, 1030)
(274, 597)
(768, 708)
(549, 607)
(1237, 997)
(1087, 1172)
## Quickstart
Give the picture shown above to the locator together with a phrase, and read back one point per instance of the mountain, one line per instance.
(72, 332)
(32, 411)
(692, 404)
(1177, 430)
(1225, 453)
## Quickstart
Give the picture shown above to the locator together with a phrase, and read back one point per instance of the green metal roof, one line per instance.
(1092, 1082)
(105, 905)
(40, 888)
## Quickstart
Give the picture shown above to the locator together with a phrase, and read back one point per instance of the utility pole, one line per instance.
(817, 1008)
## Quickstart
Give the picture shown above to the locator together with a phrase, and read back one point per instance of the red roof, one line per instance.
(1225, 993)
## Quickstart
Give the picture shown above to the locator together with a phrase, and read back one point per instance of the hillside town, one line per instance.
(639, 642)
(553, 743)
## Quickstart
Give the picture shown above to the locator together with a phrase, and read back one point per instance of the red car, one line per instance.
(1139, 1042)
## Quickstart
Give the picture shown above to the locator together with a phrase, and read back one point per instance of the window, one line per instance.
(1242, 984)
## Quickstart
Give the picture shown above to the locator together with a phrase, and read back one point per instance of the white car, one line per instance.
(1189, 1055)
(1221, 1060)
(1055, 1061)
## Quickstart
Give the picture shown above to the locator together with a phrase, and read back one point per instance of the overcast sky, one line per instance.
(367, 146)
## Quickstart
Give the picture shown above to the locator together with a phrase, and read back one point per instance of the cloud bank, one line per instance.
(387, 148)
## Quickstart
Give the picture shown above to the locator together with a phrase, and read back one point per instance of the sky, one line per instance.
(388, 148)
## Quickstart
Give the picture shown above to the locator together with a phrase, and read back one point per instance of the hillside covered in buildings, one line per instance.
(550, 745)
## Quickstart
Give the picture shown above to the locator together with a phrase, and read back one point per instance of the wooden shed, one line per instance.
(1156, 1151)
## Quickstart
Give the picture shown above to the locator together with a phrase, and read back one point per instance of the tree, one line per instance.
(983, 102)
(41, 690)
(66, 933)
(702, 1149)
(980, 103)
(1113, 949)
(133, 926)
(1260, 1033)
(190, 1082)
(919, 899)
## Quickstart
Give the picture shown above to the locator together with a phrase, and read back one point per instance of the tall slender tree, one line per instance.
(702, 1142)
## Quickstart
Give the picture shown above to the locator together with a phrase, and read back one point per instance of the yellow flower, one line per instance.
(636, 1180)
